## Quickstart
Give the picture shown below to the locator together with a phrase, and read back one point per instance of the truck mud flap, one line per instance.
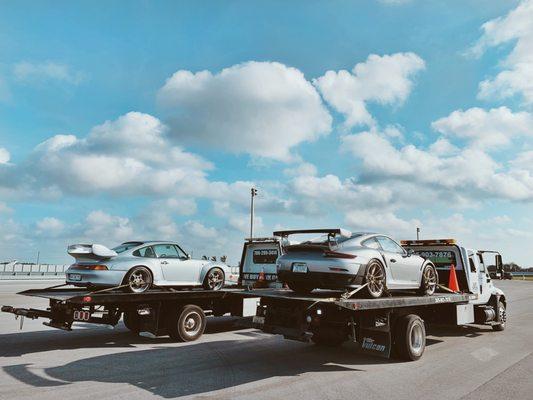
(374, 334)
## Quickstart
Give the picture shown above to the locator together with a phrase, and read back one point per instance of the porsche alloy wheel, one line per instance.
(139, 280)
(375, 279)
(429, 282)
(214, 279)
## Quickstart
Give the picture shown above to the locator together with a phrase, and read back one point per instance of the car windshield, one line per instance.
(125, 247)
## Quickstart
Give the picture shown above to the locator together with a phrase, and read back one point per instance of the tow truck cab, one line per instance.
(471, 270)
(258, 262)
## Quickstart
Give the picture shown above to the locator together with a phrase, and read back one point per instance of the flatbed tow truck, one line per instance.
(393, 326)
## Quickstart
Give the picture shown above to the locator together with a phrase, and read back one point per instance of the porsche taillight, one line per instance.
(336, 254)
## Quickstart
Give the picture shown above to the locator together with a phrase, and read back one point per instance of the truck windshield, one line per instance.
(443, 259)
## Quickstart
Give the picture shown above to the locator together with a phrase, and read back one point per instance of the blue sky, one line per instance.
(142, 120)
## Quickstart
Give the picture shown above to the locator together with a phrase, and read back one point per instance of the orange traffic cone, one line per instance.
(261, 276)
(261, 280)
(452, 283)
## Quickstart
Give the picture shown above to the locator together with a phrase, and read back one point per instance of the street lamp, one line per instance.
(254, 193)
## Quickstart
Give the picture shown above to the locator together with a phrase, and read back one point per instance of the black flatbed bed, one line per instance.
(102, 297)
(398, 299)
(81, 296)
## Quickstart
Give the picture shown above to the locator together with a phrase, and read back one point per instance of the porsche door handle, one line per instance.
(164, 262)
(392, 260)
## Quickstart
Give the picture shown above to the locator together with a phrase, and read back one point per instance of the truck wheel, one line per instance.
(375, 279)
(300, 288)
(503, 318)
(214, 279)
(429, 281)
(410, 337)
(131, 321)
(187, 325)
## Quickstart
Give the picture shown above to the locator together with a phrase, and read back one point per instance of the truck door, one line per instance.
(483, 278)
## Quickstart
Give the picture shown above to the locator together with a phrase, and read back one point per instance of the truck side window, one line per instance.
(481, 263)
(472, 265)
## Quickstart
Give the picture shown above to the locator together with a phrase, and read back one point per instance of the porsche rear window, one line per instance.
(125, 247)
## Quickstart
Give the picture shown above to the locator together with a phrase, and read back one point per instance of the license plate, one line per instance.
(259, 320)
(299, 267)
(74, 277)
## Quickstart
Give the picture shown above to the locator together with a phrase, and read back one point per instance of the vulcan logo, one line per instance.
(368, 344)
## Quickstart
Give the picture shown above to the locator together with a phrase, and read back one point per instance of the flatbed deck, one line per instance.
(398, 299)
(102, 297)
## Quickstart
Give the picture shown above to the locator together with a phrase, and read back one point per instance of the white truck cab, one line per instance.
(258, 262)
(472, 275)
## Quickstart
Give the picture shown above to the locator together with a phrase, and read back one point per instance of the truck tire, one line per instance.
(409, 337)
(187, 324)
(300, 288)
(131, 321)
(503, 317)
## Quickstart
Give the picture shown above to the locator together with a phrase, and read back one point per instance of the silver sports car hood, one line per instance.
(90, 252)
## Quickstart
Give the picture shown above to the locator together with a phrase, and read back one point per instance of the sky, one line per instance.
(141, 120)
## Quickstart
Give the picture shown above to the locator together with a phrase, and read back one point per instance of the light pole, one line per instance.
(254, 193)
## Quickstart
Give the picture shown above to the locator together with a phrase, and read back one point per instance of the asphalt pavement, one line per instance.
(231, 363)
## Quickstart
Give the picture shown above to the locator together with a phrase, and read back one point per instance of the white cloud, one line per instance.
(517, 75)
(486, 129)
(260, 108)
(386, 222)
(4, 156)
(50, 226)
(524, 161)
(46, 71)
(101, 227)
(4, 208)
(470, 173)
(128, 155)
(443, 147)
(198, 230)
(302, 169)
(384, 79)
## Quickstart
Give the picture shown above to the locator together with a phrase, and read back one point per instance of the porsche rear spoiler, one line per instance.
(90, 252)
(329, 232)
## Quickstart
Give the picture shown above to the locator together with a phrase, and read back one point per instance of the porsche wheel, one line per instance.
(214, 280)
(429, 282)
(139, 280)
(375, 279)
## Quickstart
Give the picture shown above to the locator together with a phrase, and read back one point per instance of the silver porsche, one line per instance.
(138, 266)
(339, 259)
